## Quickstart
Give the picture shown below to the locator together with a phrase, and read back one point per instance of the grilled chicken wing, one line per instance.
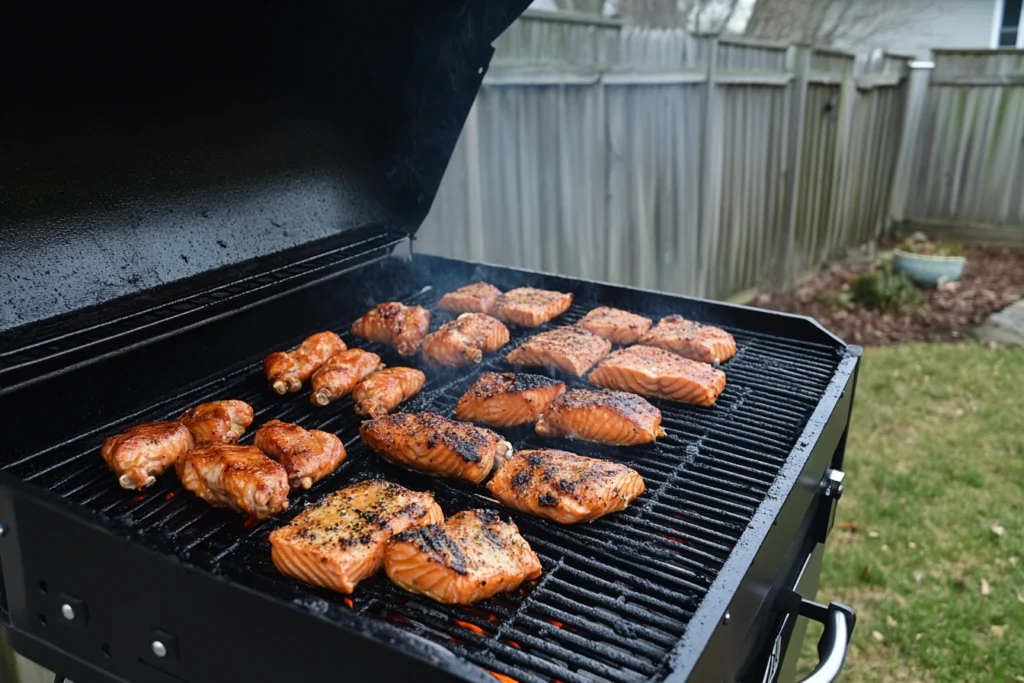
(239, 477)
(436, 445)
(618, 327)
(529, 307)
(479, 297)
(142, 453)
(307, 456)
(650, 371)
(470, 557)
(610, 417)
(569, 349)
(341, 373)
(287, 370)
(507, 399)
(340, 541)
(691, 340)
(381, 392)
(396, 324)
(565, 487)
(217, 421)
(465, 340)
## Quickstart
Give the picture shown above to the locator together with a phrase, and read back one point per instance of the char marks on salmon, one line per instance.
(506, 399)
(610, 417)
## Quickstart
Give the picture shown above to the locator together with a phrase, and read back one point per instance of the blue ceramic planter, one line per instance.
(929, 270)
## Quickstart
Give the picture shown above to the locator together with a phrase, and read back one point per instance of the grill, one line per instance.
(699, 579)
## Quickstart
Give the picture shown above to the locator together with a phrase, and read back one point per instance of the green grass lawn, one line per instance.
(928, 545)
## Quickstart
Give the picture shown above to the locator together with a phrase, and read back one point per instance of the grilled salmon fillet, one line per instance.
(396, 324)
(505, 399)
(569, 349)
(465, 340)
(307, 456)
(565, 487)
(609, 417)
(238, 477)
(691, 340)
(617, 326)
(340, 375)
(436, 445)
(340, 540)
(479, 297)
(218, 421)
(142, 453)
(529, 307)
(382, 391)
(650, 371)
(470, 557)
(287, 370)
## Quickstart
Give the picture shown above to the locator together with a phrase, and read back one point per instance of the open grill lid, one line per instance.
(149, 144)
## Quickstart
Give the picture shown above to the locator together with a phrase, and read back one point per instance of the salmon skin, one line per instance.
(468, 558)
(479, 297)
(617, 326)
(142, 453)
(691, 340)
(436, 445)
(650, 371)
(394, 323)
(505, 399)
(529, 307)
(307, 456)
(565, 487)
(340, 540)
(287, 370)
(616, 418)
(465, 340)
(218, 421)
(242, 478)
(382, 391)
(340, 375)
(569, 349)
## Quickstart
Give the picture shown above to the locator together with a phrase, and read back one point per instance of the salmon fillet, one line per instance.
(617, 326)
(218, 421)
(396, 324)
(564, 487)
(479, 297)
(307, 456)
(465, 340)
(382, 391)
(507, 399)
(529, 307)
(340, 375)
(436, 445)
(340, 540)
(569, 349)
(691, 340)
(609, 417)
(142, 453)
(238, 477)
(468, 558)
(650, 371)
(287, 370)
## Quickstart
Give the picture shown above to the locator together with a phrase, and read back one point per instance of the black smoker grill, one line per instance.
(184, 191)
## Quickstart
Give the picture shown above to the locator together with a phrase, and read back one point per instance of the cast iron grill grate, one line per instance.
(616, 595)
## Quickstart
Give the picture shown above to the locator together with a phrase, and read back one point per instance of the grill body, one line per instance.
(687, 584)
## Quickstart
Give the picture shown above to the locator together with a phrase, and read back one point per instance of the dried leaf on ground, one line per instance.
(998, 631)
(985, 587)
(998, 529)
(918, 576)
(891, 622)
(852, 527)
(877, 635)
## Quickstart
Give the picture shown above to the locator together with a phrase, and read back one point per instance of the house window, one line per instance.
(1008, 26)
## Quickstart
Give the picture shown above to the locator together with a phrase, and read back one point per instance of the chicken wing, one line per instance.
(506, 399)
(382, 391)
(618, 327)
(341, 373)
(238, 477)
(529, 307)
(287, 370)
(565, 487)
(465, 340)
(610, 417)
(340, 540)
(690, 339)
(569, 349)
(217, 421)
(479, 297)
(396, 324)
(307, 456)
(142, 453)
(470, 557)
(436, 445)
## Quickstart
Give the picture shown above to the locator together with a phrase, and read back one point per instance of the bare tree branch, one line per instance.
(832, 22)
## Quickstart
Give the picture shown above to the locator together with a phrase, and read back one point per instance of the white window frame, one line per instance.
(997, 25)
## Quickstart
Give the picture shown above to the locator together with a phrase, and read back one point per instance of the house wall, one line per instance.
(937, 24)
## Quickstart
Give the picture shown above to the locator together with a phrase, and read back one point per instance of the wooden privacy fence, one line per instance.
(659, 159)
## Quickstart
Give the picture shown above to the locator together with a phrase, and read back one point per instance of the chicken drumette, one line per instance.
(307, 456)
(217, 421)
(287, 370)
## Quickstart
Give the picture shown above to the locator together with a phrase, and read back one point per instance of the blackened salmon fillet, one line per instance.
(506, 399)
(650, 371)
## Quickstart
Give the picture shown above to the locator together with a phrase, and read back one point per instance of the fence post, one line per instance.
(839, 220)
(474, 193)
(906, 160)
(707, 230)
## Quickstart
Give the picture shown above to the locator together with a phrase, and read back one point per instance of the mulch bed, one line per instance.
(993, 279)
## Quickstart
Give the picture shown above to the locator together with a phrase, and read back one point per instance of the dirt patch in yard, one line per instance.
(993, 279)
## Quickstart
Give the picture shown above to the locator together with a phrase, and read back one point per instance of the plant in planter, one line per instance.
(885, 289)
(929, 263)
